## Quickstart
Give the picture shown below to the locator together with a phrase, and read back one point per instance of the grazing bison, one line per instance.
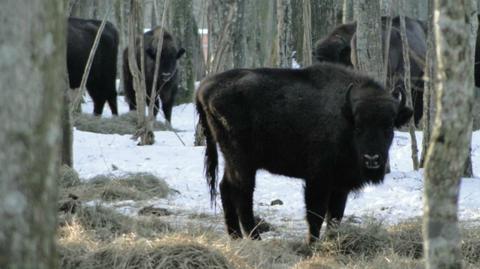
(101, 80)
(325, 124)
(337, 48)
(167, 81)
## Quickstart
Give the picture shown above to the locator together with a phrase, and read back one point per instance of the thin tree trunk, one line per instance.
(347, 11)
(429, 95)
(238, 35)
(307, 33)
(135, 27)
(408, 85)
(451, 136)
(283, 40)
(67, 131)
(473, 28)
(32, 75)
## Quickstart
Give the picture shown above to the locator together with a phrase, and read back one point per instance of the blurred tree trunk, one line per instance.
(238, 35)
(220, 26)
(473, 28)
(120, 8)
(185, 30)
(408, 83)
(283, 41)
(297, 29)
(368, 56)
(32, 74)
(451, 135)
(347, 11)
(324, 17)
(307, 33)
(67, 130)
(429, 95)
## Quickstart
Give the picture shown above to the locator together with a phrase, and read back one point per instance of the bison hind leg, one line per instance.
(229, 211)
(237, 197)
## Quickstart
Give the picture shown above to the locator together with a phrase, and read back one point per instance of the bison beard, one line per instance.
(325, 124)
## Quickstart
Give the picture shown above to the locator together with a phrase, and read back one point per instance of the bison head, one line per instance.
(373, 114)
(333, 50)
(168, 57)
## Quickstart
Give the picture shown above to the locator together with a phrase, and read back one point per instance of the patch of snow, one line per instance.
(397, 199)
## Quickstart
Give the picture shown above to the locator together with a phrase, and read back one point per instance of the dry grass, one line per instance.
(68, 177)
(133, 186)
(122, 124)
(101, 237)
(370, 245)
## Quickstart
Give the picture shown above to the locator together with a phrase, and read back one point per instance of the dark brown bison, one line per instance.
(167, 81)
(337, 48)
(101, 80)
(325, 124)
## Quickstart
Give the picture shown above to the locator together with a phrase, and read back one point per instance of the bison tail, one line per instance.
(211, 154)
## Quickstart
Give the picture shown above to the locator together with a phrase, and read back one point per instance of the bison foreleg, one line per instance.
(316, 202)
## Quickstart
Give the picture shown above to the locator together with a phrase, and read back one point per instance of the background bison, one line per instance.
(325, 124)
(167, 84)
(337, 48)
(101, 80)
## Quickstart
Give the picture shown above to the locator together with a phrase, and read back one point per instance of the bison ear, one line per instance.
(180, 52)
(403, 116)
(347, 106)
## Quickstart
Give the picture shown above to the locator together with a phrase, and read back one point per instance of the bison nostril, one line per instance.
(368, 157)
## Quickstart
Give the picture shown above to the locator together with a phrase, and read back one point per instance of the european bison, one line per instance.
(325, 124)
(167, 82)
(337, 48)
(101, 80)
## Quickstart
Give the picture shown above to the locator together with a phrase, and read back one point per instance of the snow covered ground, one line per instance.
(397, 199)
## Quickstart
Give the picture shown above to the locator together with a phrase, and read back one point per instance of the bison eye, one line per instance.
(358, 130)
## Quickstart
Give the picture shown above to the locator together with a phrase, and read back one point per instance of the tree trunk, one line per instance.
(408, 84)
(32, 75)
(451, 135)
(429, 95)
(67, 130)
(186, 31)
(238, 35)
(135, 27)
(473, 28)
(307, 33)
(368, 56)
(297, 29)
(347, 11)
(283, 41)
(324, 18)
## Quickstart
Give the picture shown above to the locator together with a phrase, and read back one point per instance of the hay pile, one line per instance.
(122, 124)
(131, 186)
